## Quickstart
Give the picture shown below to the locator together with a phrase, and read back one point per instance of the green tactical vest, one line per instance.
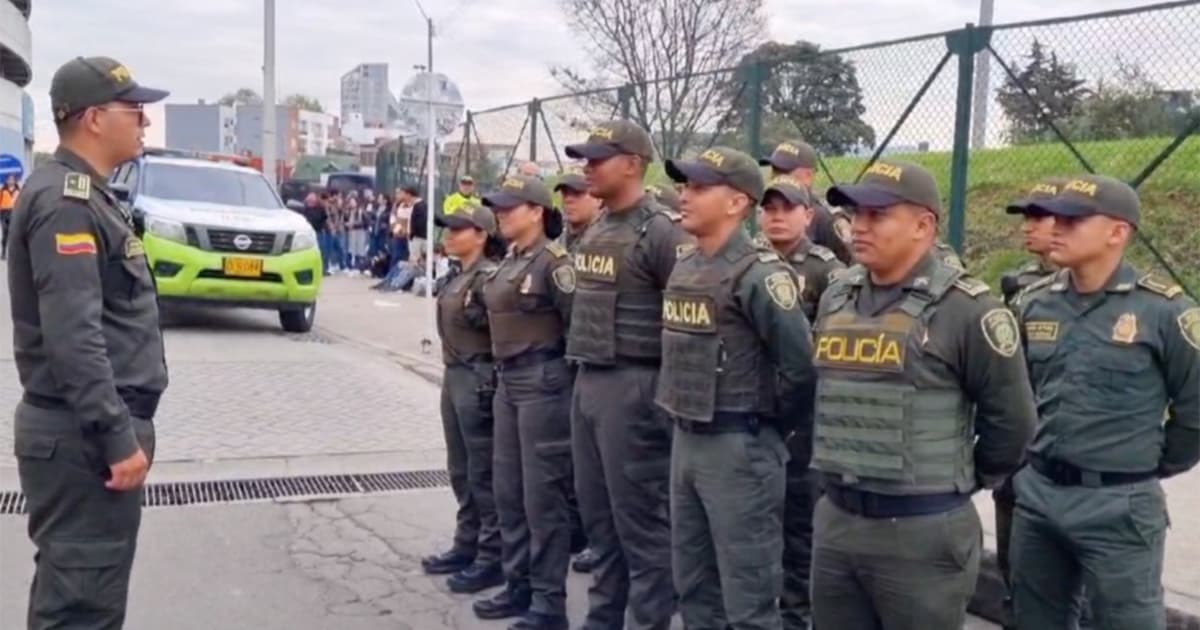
(461, 340)
(886, 422)
(520, 311)
(713, 360)
(617, 308)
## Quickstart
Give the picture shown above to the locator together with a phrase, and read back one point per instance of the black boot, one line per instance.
(539, 621)
(475, 578)
(584, 562)
(511, 602)
(447, 563)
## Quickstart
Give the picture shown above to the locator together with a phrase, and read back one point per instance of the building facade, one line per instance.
(365, 92)
(16, 70)
(316, 132)
(201, 127)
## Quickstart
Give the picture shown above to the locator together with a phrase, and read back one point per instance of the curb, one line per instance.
(428, 369)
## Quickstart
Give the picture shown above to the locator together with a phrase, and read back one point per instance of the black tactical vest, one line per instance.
(713, 360)
(617, 311)
(462, 323)
(520, 309)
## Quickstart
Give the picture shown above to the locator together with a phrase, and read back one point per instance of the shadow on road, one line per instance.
(202, 318)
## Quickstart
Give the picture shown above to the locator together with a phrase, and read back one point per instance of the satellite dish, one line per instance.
(414, 105)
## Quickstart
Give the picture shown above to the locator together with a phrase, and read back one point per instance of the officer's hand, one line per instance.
(129, 473)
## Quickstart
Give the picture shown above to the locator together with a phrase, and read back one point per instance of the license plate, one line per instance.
(244, 267)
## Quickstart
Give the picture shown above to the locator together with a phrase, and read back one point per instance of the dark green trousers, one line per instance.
(1110, 540)
(801, 498)
(85, 534)
(468, 431)
(911, 573)
(727, 528)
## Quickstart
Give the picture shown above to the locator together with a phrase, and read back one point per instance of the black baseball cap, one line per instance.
(790, 189)
(573, 181)
(666, 195)
(720, 166)
(519, 189)
(791, 155)
(615, 137)
(1046, 189)
(85, 82)
(1089, 195)
(886, 184)
(470, 216)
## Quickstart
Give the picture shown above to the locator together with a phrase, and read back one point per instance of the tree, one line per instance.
(806, 93)
(1057, 92)
(1131, 105)
(666, 52)
(301, 101)
(243, 96)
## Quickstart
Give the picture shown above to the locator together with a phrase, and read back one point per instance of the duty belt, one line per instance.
(722, 422)
(874, 505)
(526, 359)
(1067, 474)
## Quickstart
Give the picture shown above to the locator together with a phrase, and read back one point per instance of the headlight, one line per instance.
(304, 240)
(170, 230)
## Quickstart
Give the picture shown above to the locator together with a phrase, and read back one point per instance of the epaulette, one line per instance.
(822, 252)
(556, 249)
(767, 256)
(971, 286)
(77, 186)
(1018, 300)
(1151, 283)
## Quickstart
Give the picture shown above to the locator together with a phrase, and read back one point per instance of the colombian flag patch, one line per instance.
(75, 244)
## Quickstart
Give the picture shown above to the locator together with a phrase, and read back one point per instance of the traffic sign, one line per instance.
(10, 165)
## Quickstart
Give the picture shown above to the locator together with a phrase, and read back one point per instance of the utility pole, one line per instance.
(431, 184)
(983, 66)
(268, 105)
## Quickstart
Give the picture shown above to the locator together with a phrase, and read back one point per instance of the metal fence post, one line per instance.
(625, 99)
(535, 109)
(755, 73)
(467, 144)
(965, 43)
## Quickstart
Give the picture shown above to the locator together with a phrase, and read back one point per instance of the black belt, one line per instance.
(722, 422)
(873, 505)
(471, 361)
(140, 404)
(526, 359)
(1067, 474)
(623, 362)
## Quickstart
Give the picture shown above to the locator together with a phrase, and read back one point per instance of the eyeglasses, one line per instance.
(141, 113)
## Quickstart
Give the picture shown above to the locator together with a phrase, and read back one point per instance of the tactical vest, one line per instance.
(617, 309)
(462, 339)
(520, 311)
(712, 358)
(884, 422)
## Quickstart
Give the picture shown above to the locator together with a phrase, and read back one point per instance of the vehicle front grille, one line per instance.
(224, 241)
(217, 274)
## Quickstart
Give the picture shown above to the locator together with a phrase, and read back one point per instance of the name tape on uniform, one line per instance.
(861, 350)
(1042, 331)
(595, 265)
(689, 313)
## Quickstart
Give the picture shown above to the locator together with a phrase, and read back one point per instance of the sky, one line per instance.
(497, 51)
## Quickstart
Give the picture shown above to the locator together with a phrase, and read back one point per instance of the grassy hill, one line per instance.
(1170, 197)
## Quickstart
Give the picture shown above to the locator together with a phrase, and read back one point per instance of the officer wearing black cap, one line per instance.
(468, 386)
(736, 377)
(622, 446)
(88, 350)
(580, 208)
(787, 210)
(798, 159)
(923, 398)
(1038, 231)
(528, 301)
(1109, 350)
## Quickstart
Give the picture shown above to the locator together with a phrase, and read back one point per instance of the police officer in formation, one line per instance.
(798, 160)
(468, 386)
(88, 350)
(621, 443)
(528, 301)
(923, 398)
(736, 378)
(1110, 351)
(786, 212)
(666, 196)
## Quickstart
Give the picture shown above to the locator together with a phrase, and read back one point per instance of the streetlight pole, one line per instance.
(268, 104)
(431, 185)
(983, 80)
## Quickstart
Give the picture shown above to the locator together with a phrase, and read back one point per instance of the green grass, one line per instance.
(1170, 196)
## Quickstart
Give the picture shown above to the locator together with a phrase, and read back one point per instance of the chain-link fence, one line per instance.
(989, 110)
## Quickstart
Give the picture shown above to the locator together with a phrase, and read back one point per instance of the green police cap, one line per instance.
(1046, 189)
(573, 181)
(666, 195)
(87, 82)
(615, 137)
(791, 155)
(790, 189)
(519, 189)
(1089, 195)
(721, 166)
(471, 216)
(886, 184)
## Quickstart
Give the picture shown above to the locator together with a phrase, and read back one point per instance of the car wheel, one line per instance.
(298, 320)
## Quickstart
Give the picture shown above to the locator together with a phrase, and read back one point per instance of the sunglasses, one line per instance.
(141, 113)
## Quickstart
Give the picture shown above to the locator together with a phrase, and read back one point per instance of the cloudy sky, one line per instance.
(498, 51)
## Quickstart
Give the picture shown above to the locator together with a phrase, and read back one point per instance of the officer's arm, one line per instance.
(1181, 364)
(65, 255)
(562, 287)
(664, 238)
(994, 376)
(787, 338)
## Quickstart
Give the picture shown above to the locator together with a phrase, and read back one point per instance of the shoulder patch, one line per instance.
(971, 286)
(1189, 325)
(1166, 289)
(564, 278)
(1000, 331)
(81, 243)
(822, 252)
(556, 249)
(77, 186)
(782, 289)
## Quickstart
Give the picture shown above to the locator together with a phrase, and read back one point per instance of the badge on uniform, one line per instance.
(1189, 325)
(1000, 331)
(1126, 328)
(526, 284)
(801, 283)
(1042, 331)
(683, 248)
(77, 186)
(134, 247)
(75, 244)
(564, 278)
(782, 289)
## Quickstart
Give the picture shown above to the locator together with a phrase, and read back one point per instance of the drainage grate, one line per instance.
(238, 490)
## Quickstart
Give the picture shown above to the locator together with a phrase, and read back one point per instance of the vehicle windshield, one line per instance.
(209, 185)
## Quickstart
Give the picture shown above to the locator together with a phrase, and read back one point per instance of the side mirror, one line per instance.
(120, 192)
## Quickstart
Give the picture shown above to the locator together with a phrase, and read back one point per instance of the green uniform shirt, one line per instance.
(1105, 366)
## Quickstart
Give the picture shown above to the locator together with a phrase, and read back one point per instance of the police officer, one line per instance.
(580, 209)
(468, 386)
(88, 349)
(1109, 350)
(621, 444)
(922, 399)
(737, 376)
(799, 160)
(784, 219)
(666, 196)
(528, 300)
